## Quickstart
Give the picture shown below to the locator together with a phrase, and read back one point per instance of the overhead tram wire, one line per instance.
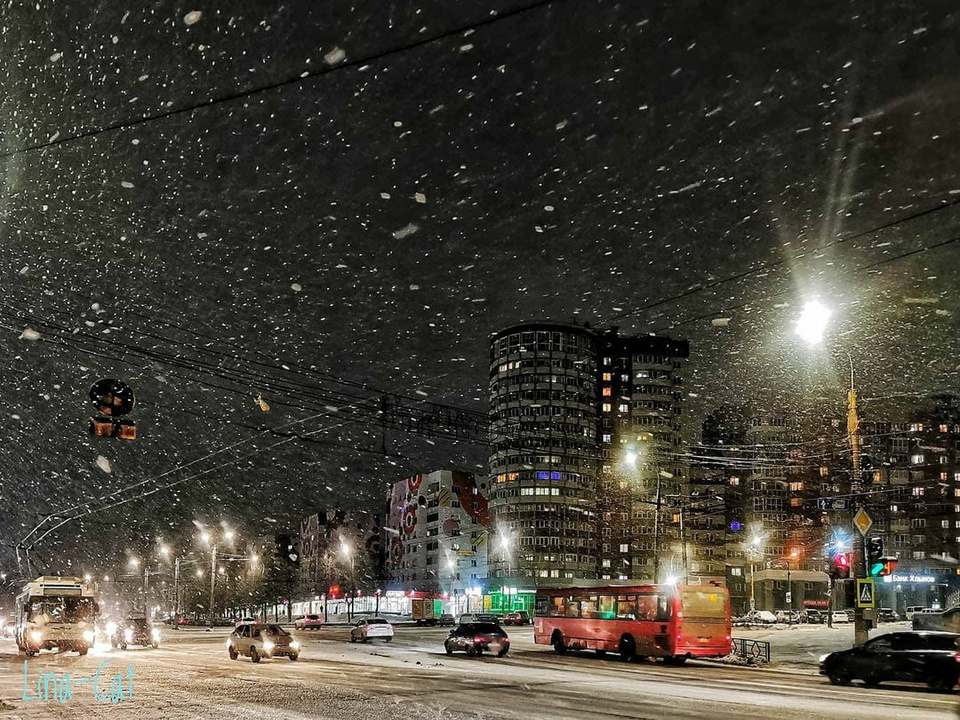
(295, 80)
(780, 293)
(783, 261)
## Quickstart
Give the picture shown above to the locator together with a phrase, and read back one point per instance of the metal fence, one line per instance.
(755, 650)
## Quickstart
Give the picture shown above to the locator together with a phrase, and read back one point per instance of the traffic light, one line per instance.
(874, 556)
(840, 566)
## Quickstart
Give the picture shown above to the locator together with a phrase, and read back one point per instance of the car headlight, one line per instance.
(295, 645)
(36, 635)
(128, 634)
(267, 645)
(155, 633)
(111, 628)
(88, 635)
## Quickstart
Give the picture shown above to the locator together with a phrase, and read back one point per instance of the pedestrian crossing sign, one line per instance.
(866, 597)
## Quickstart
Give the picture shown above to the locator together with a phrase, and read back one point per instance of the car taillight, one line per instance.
(956, 656)
(479, 639)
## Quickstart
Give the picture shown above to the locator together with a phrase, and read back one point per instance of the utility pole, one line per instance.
(146, 582)
(213, 580)
(656, 536)
(683, 546)
(176, 594)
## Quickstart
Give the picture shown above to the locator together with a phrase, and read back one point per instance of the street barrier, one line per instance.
(755, 650)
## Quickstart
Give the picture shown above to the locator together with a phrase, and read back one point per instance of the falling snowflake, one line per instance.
(420, 197)
(405, 231)
(335, 56)
(296, 287)
(192, 17)
(104, 464)
(29, 334)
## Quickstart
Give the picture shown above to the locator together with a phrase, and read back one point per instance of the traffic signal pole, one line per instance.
(861, 627)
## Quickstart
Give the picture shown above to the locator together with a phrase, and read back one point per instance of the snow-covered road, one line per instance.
(191, 676)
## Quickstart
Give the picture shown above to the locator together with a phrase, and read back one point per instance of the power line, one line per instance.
(296, 80)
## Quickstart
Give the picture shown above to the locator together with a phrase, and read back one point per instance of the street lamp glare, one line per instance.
(134, 562)
(630, 458)
(205, 536)
(812, 322)
(228, 535)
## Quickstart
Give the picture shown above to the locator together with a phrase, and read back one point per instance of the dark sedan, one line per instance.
(930, 657)
(477, 638)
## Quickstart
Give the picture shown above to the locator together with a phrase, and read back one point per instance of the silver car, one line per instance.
(262, 641)
(370, 628)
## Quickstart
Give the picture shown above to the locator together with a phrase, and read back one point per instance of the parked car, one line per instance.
(887, 615)
(246, 621)
(930, 657)
(477, 638)
(133, 631)
(445, 619)
(841, 616)
(467, 618)
(487, 618)
(913, 609)
(308, 622)
(370, 628)
(758, 617)
(262, 641)
(7, 626)
(517, 618)
(814, 616)
(787, 616)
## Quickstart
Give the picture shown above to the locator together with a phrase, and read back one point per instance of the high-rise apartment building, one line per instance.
(584, 422)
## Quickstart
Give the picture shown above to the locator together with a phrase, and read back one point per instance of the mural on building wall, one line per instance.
(406, 499)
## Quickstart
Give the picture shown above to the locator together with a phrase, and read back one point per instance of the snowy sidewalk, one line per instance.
(802, 645)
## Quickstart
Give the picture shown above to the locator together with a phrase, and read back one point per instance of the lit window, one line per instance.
(624, 407)
(624, 547)
(917, 491)
(734, 481)
(607, 407)
(916, 427)
(606, 361)
(606, 563)
(607, 377)
(824, 471)
(607, 391)
(916, 459)
(607, 437)
(944, 428)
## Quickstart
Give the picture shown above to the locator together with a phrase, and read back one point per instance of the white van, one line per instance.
(913, 609)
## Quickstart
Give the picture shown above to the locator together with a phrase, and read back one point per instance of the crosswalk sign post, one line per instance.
(866, 593)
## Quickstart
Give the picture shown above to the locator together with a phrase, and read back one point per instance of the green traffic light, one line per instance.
(876, 569)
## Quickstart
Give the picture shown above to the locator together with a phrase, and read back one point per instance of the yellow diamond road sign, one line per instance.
(863, 521)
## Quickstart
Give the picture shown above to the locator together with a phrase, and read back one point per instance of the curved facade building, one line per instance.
(543, 421)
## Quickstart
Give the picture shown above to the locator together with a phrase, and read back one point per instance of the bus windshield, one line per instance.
(61, 609)
(704, 604)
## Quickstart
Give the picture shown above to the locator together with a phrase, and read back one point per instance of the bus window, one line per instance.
(704, 604)
(663, 607)
(626, 607)
(588, 607)
(608, 604)
(647, 607)
(572, 608)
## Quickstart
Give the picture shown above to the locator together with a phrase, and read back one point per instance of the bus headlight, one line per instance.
(88, 636)
(128, 635)
(36, 636)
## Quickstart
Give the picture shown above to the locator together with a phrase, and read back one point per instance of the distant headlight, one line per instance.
(267, 645)
(295, 645)
(155, 633)
(823, 657)
(128, 635)
(88, 635)
(36, 635)
(111, 628)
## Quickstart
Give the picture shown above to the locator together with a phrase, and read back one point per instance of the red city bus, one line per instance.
(674, 622)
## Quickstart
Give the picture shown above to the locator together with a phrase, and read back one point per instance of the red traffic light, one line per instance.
(840, 566)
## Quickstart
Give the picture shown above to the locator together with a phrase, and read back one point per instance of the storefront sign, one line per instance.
(911, 578)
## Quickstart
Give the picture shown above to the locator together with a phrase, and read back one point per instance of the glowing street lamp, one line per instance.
(630, 457)
(812, 322)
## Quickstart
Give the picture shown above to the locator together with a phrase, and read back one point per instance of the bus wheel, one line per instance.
(601, 653)
(628, 649)
(557, 641)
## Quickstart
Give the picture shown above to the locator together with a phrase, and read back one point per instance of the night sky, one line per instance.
(376, 220)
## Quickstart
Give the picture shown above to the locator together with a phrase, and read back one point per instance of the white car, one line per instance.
(308, 622)
(839, 616)
(370, 628)
(245, 621)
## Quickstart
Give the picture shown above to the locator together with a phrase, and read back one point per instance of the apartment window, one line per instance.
(916, 459)
(605, 563)
(624, 407)
(734, 481)
(624, 547)
(824, 471)
(736, 572)
(919, 555)
(607, 407)
(607, 437)
(607, 391)
(796, 486)
(945, 523)
(916, 427)
(606, 361)
(918, 492)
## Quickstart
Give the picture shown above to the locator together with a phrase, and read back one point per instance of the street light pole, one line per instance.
(176, 593)
(213, 580)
